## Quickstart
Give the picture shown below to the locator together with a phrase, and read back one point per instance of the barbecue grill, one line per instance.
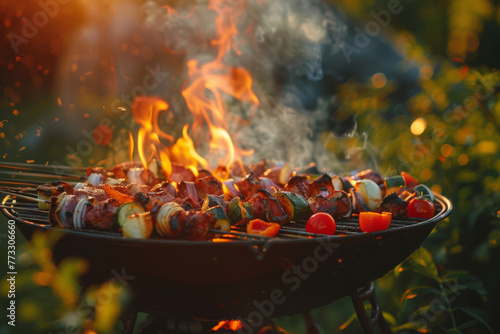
(226, 280)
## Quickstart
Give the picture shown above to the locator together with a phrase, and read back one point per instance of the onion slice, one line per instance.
(62, 212)
(79, 214)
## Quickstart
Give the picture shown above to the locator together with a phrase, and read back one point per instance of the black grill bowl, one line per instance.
(234, 279)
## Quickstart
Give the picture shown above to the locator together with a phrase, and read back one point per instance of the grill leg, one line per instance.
(368, 322)
(128, 319)
(311, 326)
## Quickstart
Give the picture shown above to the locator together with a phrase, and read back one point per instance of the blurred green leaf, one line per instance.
(477, 314)
(467, 324)
(466, 280)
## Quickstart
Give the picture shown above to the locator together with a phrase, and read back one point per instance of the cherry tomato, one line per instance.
(260, 227)
(374, 221)
(321, 223)
(410, 180)
(421, 207)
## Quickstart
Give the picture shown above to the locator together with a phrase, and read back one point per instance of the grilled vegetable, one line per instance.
(238, 212)
(211, 200)
(410, 181)
(164, 218)
(61, 210)
(374, 221)
(393, 184)
(358, 204)
(421, 208)
(260, 227)
(424, 191)
(321, 223)
(295, 206)
(115, 194)
(138, 225)
(370, 192)
(126, 210)
(279, 175)
(221, 220)
(79, 213)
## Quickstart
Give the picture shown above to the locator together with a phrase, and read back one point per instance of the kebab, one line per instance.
(136, 207)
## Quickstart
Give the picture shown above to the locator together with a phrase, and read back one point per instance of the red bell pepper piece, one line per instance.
(115, 194)
(260, 227)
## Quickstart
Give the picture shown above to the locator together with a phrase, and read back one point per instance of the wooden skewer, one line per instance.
(42, 175)
(41, 166)
(20, 183)
(29, 217)
(24, 196)
(24, 209)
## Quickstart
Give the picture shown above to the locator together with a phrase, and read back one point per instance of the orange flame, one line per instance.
(146, 111)
(204, 92)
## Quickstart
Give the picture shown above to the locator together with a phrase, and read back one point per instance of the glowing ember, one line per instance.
(228, 324)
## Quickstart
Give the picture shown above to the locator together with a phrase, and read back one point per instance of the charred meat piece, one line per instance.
(370, 174)
(274, 211)
(394, 204)
(161, 197)
(209, 185)
(191, 225)
(46, 191)
(197, 225)
(258, 169)
(321, 186)
(187, 203)
(258, 205)
(248, 185)
(90, 191)
(133, 189)
(188, 189)
(337, 204)
(181, 173)
(165, 186)
(298, 184)
(100, 216)
(358, 204)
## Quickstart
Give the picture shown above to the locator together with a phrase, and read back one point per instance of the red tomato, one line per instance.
(410, 180)
(374, 221)
(421, 208)
(260, 227)
(321, 223)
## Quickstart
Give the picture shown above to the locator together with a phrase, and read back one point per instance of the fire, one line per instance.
(146, 111)
(233, 325)
(206, 89)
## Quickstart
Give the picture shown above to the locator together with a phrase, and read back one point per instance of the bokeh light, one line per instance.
(418, 126)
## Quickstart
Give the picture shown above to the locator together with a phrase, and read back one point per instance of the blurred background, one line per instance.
(385, 84)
